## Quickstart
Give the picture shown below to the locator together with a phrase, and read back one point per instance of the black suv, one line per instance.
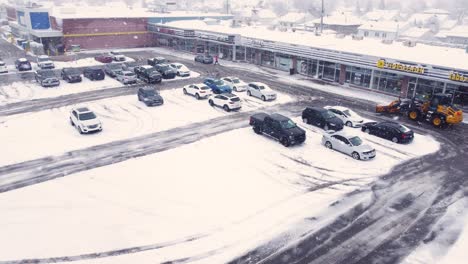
(148, 74)
(156, 61)
(166, 71)
(23, 64)
(149, 96)
(322, 118)
(71, 75)
(46, 78)
(113, 69)
(94, 74)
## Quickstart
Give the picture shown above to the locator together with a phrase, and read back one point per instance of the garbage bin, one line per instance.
(291, 71)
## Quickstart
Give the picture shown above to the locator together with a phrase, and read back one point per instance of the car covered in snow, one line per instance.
(204, 58)
(348, 144)
(148, 74)
(104, 58)
(149, 96)
(278, 127)
(46, 78)
(322, 118)
(117, 56)
(235, 83)
(393, 131)
(227, 101)
(261, 90)
(181, 69)
(129, 66)
(44, 62)
(3, 67)
(71, 75)
(22, 64)
(85, 120)
(199, 90)
(94, 73)
(126, 77)
(156, 61)
(217, 86)
(112, 69)
(348, 116)
(166, 71)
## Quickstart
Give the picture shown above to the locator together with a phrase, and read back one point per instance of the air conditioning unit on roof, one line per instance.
(409, 43)
(356, 37)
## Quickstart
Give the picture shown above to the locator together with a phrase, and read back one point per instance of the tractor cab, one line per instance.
(440, 99)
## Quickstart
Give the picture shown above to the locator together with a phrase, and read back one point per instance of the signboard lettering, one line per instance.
(382, 64)
(455, 76)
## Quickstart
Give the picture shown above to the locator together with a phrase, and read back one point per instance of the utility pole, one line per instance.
(321, 19)
(227, 7)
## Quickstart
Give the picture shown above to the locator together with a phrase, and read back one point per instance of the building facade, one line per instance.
(379, 74)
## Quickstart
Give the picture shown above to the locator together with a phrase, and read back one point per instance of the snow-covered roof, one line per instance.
(340, 19)
(120, 12)
(436, 11)
(442, 56)
(383, 26)
(293, 17)
(421, 18)
(379, 15)
(459, 31)
(415, 32)
(448, 24)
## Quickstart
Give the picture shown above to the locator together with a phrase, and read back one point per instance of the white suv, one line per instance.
(235, 83)
(261, 90)
(227, 101)
(198, 90)
(3, 67)
(44, 62)
(117, 56)
(85, 120)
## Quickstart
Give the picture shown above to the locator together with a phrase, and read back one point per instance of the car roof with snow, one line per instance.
(82, 109)
(259, 83)
(230, 95)
(22, 60)
(337, 107)
(43, 56)
(147, 66)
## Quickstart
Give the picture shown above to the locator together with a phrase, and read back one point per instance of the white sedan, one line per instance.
(235, 83)
(260, 90)
(227, 101)
(117, 56)
(199, 90)
(350, 145)
(348, 116)
(181, 69)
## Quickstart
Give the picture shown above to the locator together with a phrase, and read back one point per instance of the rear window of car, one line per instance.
(235, 99)
(205, 88)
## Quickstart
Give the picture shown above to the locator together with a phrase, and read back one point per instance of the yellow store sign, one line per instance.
(382, 64)
(455, 76)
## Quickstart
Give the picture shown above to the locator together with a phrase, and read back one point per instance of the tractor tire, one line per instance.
(413, 115)
(437, 121)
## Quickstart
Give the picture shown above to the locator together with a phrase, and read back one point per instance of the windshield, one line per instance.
(235, 81)
(165, 68)
(48, 74)
(219, 82)
(72, 71)
(43, 59)
(150, 93)
(355, 141)
(327, 114)
(87, 116)
(261, 87)
(287, 124)
(403, 128)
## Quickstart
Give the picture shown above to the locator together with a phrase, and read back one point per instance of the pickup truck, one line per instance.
(278, 127)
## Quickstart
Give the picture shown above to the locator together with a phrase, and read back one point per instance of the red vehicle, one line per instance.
(104, 58)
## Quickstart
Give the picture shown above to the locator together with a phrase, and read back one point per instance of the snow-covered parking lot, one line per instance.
(216, 197)
(34, 135)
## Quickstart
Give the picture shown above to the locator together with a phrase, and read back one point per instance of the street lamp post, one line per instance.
(321, 18)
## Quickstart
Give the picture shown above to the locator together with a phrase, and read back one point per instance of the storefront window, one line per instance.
(307, 67)
(426, 88)
(387, 82)
(225, 52)
(358, 76)
(268, 58)
(251, 55)
(240, 53)
(460, 95)
(329, 71)
(283, 63)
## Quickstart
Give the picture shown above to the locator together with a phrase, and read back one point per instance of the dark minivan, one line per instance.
(322, 118)
(94, 74)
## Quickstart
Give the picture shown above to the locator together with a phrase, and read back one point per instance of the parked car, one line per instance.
(117, 56)
(22, 64)
(156, 61)
(126, 77)
(235, 83)
(203, 58)
(46, 78)
(181, 69)
(198, 90)
(44, 62)
(112, 69)
(348, 116)
(3, 67)
(94, 73)
(278, 127)
(149, 96)
(389, 130)
(85, 120)
(166, 71)
(148, 74)
(217, 86)
(322, 118)
(260, 90)
(347, 144)
(227, 101)
(104, 58)
(71, 75)
(129, 66)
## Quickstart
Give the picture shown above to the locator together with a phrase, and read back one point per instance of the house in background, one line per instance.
(380, 30)
(293, 20)
(382, 15)
(342, 22)
(457, 35)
